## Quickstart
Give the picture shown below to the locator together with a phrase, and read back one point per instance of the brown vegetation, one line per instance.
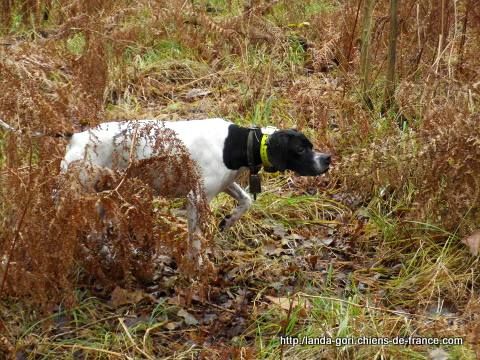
(404, 190)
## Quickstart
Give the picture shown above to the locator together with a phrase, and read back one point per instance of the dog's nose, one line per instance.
(327, 159)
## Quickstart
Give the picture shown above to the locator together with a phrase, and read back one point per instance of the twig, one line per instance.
(87, 348)
(88, 325)
(20, 222)
(220, 72)
(121, 321)
(463, 38)
(392, 56)
(454, 40)
(221, 308)
(145, 336)
(285, 325)
(350, 45)
(365, 61)
(130, 156)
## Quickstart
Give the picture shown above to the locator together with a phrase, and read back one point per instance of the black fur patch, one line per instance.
(235, 147)
(291, 150)
(287, 150)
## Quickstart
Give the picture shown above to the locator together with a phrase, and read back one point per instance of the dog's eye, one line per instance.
(300, 150)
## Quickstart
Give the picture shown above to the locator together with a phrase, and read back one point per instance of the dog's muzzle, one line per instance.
(322, 162)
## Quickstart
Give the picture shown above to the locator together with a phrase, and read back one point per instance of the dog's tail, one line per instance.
(65, 135)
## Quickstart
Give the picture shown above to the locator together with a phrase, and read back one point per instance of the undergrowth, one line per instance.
(372, 249)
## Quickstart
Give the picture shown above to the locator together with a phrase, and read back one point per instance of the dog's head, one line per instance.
(291, 150)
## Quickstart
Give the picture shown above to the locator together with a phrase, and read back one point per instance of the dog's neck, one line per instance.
(235, 150)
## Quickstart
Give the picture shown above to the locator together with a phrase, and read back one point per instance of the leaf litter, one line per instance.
(267, 271)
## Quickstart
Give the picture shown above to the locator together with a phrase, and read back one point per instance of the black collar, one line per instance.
(242, 149)
(255, 183)
(253, 148)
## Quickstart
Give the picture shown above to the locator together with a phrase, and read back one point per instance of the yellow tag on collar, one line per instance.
(263, 151)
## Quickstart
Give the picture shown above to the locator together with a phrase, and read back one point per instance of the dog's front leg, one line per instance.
(194, 250)
(244, 201)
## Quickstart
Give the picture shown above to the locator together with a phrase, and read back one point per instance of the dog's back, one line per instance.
(161, 145)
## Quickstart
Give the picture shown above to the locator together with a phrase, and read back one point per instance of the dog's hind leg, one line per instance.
(194, 250)
(244, 201)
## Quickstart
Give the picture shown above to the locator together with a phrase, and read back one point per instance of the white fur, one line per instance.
(204, 139)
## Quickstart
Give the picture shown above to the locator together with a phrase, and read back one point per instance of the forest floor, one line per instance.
(311, 261)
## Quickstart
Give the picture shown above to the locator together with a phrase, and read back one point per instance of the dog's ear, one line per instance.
(278, 149)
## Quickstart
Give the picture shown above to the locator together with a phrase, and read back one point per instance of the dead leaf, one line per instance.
(312, 260)
(473, 242)
(172, 325)
(195, 93)
(308, 244)
(277, 285)
(302, 307)
(227, 304)
(438, 354)
(136, 320)
(273, 249)
(279, 230)
(325, 241)
(241, 296)
(187, 317)
(122, 296)
(209, 318)
(232, 274)
(284, 302)
(173, 301)
(296, 237)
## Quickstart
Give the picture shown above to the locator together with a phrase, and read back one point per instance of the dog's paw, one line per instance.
(225, 223)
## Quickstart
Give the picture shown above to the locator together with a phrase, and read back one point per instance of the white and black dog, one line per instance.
(218, 147)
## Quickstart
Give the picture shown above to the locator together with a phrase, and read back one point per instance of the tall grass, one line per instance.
(395, 207)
